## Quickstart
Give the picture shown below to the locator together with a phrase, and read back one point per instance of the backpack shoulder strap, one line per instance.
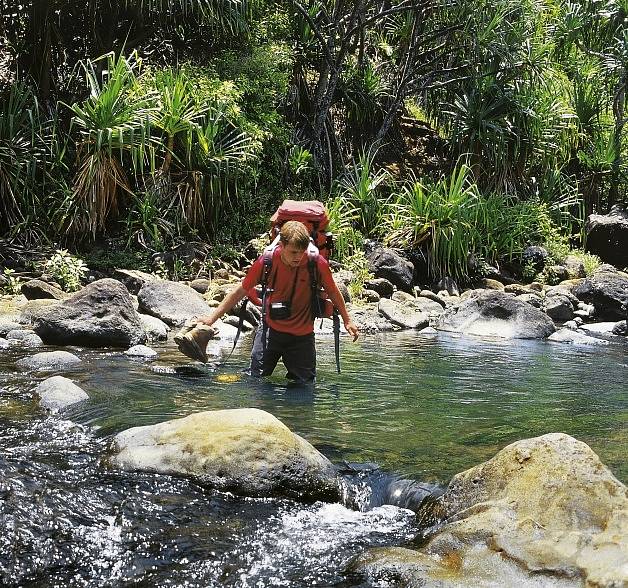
(267, 257)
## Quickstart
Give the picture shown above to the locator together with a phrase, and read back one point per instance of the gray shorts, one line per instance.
(297, 352)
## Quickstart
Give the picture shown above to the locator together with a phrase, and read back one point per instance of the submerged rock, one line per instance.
(496, 314)
(141, 351)
(542, 512)
(58, 392)
(48, 360)
(247, 451)
(567, 335)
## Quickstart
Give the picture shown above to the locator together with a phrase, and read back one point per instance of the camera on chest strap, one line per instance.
(280, 311)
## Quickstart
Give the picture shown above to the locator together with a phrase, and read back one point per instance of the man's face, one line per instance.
(291, 255)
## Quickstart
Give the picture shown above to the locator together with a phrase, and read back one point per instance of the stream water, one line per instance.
(422, 408)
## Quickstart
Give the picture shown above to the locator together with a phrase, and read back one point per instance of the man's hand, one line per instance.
(352, 329)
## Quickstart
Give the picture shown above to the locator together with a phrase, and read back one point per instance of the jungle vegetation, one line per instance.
(461, 129)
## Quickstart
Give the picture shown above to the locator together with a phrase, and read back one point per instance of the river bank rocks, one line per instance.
(247, 451)
(607, 290)
(496, 314)
(607, 236)
(172, 302)
(99, 315)
(542, 512)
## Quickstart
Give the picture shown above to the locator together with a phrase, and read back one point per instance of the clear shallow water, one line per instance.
(421, 407)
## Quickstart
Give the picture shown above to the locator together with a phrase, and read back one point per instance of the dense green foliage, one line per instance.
(158, 122)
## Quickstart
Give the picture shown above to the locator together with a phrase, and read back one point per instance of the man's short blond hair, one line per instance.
(295, 233)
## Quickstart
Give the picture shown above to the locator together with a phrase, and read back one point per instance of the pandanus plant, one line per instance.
(112, 127)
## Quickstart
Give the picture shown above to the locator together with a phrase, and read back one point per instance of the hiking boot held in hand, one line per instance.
(192, 340)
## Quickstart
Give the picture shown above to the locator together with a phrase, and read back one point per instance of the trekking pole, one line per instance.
(336, 319)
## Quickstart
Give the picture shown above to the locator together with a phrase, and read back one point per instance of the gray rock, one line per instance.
(599, 329)
(388, 264)
(141, 351)
(607, 291)
(172, 302)
(559, 308)
(435, 297)
(369, 320)
(32, 308)
(6, 326)
(32, 340)
(575, 267)
(134, 279)
(382, 286)
(19, 334)
(535, 257)
(543, 513)
(247, 451)
(156, 329)
(201, 285)
(57, 392)
(38, 289)
(371, 296)
(573, 325)
(607, 236)
(575, 337)
(496, 314)
(403, 315)
(48, 360)
(99, 315)
(621, 328)
(4, 344)
(428, 331)
(531, 298)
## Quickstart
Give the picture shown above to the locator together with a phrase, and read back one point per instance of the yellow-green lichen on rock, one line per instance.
(248, 451)
(548, 507)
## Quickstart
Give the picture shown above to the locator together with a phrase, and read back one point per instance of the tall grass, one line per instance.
(453, 222)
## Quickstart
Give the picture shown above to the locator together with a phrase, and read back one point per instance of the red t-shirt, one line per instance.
(281, 279)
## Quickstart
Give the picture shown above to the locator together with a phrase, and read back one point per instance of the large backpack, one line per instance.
(313, 215)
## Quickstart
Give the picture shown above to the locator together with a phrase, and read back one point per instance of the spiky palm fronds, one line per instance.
(112, 124)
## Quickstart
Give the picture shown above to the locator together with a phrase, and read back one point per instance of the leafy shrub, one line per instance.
(66, 269)
(358, 264)
(13, 283)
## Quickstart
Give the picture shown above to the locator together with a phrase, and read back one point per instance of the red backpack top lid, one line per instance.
(311, 213)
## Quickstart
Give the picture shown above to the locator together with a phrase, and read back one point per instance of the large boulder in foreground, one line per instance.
(542, 512)
(172, 302)
(607, 290)
(99, 315)
(491, 313)
(247, 451)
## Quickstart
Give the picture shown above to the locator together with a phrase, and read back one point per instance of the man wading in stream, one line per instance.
(286, 331)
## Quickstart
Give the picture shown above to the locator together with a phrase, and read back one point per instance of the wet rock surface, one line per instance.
(248, 451)
(496, 314)
(542, 510)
